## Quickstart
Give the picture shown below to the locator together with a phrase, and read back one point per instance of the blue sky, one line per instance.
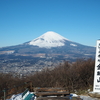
(25, 20)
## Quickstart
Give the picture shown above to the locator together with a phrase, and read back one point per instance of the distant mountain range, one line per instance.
(50, 46)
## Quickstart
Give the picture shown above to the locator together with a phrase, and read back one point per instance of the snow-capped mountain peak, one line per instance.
(48, 40)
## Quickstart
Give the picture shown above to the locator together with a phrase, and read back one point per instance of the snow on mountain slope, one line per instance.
(48, 40)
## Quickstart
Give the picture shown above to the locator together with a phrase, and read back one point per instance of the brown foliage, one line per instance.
(10, 84)
(77, 75)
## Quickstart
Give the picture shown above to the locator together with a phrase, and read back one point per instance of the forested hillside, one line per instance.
(72, 76)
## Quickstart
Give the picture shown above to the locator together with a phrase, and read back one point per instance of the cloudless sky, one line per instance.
(24, 20)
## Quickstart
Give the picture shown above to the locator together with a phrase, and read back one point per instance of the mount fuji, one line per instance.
(51, 44)
(48, 40)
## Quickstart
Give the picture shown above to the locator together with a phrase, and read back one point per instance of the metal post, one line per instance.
(4, 94)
